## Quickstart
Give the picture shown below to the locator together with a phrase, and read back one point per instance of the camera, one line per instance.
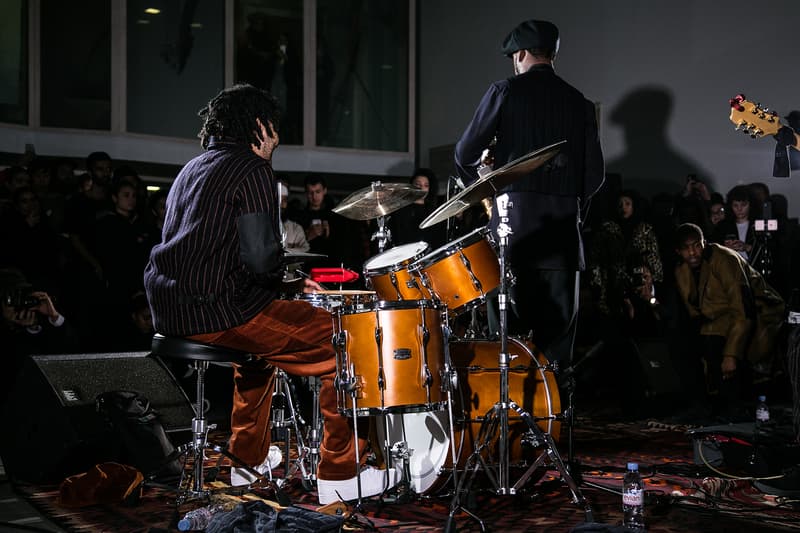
(637, 277)
(21, 299)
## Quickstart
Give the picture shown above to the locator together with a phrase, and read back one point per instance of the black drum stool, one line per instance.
(200, 355)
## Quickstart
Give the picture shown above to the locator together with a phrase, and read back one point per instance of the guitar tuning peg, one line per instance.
(736, 104)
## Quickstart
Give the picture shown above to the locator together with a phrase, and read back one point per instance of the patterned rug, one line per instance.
(681, 495)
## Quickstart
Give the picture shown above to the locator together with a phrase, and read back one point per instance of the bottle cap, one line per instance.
(184, 525)
(633, 466)
(762, 398)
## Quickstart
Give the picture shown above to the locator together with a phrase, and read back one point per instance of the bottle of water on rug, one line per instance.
(762, 413)
(633, 499)
(198, 519)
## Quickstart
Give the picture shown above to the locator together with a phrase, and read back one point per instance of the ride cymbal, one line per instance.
(491, 183)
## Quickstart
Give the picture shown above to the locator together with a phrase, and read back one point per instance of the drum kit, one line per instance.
(445, 407)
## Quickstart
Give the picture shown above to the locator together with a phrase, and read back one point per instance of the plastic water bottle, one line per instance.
(633, 499)
(762, 412)
(198, 519)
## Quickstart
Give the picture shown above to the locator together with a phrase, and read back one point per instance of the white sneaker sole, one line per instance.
(241, 477)
(373, 482)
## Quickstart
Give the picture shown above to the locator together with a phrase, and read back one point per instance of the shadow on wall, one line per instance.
(650, 164)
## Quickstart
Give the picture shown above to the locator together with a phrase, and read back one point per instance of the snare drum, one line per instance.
(531, 383)
(387, 273)
(461, 273)
(392, 354)
(333, 301)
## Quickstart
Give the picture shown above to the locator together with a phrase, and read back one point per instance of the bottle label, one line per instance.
(762, 415)
(633, 497)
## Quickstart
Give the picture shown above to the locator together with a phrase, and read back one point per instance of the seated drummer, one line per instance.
(216, 277)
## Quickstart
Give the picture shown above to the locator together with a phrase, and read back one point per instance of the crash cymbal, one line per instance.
(491, 183)
(377, 200)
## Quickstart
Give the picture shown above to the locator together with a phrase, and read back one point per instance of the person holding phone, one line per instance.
(737, 232)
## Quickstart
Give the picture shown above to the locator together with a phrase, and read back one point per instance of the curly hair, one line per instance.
(231, 115)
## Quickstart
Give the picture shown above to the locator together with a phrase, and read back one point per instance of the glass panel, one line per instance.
(362, 74)
(175, 64)
(76, 64)
(269, 54)
(14, 61)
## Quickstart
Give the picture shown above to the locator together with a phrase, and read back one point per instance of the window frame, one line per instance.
(124, 145)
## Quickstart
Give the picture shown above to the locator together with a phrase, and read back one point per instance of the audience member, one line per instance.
(29, 243)
(716, 211)
(128, 173)
(736, 317)
(135, 332)
(737, 231)
(339, 238)
(154, 219)
(30, 325)
(293, 236)
(122, 248)
(80, 215)
(99, 168)
(13, 178)
(692, 203)
(617, 242)
(404, 223)
(64, 179)
(51, 199)
(759, 194)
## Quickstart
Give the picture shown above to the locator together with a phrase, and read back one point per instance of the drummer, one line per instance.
(530, 110)
(215, 278)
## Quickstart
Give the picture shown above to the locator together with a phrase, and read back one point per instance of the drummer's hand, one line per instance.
(309, 285)
(268, 140)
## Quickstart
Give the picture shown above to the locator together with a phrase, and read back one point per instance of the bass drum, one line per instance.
(531, 384)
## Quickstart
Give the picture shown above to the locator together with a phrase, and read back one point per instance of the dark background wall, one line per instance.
(661, 73)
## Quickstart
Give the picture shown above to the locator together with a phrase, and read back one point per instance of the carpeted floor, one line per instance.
(681, 495)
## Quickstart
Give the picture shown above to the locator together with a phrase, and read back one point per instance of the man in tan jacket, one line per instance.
(738, 313)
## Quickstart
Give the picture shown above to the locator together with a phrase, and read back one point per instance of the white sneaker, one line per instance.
(373, 481)
(240, 476)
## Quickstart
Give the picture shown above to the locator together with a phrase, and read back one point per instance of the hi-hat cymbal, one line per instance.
(377, 200)
(300, 257)
(491, 183)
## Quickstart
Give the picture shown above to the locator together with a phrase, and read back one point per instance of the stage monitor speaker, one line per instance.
(53, 429)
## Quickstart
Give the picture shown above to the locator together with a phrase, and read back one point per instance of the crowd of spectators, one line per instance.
(714, 309)
(81, 242)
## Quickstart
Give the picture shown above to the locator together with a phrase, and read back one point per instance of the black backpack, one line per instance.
(141, 441)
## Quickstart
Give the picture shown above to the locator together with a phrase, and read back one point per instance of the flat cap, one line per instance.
(531, 35)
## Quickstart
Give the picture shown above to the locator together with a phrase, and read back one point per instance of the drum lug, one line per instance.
(428, 376)
(381, 379)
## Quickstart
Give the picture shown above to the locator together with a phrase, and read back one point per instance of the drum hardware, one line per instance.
(497, 419)
(388, 274)
(461, 273)
(314, 435)
(377, 201)
(286, 417)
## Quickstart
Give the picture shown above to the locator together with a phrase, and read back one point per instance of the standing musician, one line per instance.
(531, 110)
(216, 277)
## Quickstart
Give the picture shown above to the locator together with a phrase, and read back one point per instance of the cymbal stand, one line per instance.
(498, 415)
(383, 234)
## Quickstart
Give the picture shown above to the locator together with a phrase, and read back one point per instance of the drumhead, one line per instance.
(397, 256)
(428, 438)
(449, 249)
